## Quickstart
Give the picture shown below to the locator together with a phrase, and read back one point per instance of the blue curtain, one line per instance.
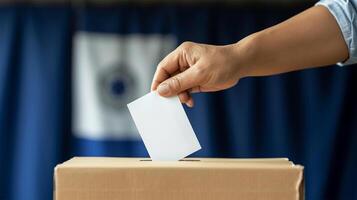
(308, 116)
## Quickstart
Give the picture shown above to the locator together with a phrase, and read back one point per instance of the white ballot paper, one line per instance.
(164, 127)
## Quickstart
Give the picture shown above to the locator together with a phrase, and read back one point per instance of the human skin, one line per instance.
(309, 39)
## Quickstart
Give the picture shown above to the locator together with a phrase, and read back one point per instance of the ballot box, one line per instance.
(104, 178)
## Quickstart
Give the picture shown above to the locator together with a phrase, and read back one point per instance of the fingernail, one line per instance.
(163, 89)
(190, 103)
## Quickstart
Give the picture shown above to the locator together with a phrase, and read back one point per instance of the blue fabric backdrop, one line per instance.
(308, 116)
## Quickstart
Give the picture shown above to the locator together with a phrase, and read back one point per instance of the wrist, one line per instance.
(246, 55)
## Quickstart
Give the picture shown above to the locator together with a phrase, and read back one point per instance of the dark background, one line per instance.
(308, 116)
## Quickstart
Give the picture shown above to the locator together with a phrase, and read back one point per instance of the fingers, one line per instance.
(190, 103)
(186, 98)
(196, 89)
(170, 65)
(160, 75)
(174, 76)
(179, 83)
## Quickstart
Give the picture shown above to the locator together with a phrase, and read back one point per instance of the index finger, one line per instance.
(169, 66)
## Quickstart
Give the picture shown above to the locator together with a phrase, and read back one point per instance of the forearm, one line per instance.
(310, 39)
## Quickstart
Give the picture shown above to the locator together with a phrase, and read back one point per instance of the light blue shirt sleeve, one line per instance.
(345, 13)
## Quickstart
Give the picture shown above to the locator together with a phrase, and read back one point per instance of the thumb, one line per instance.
(179, 83)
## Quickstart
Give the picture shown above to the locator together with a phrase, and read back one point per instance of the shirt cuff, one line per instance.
(344, 14)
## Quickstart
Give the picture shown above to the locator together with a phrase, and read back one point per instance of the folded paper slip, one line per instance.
(95, 178)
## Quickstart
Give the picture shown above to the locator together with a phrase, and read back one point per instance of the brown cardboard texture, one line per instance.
(95, 178)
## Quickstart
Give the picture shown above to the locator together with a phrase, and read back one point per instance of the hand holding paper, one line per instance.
(164, 127)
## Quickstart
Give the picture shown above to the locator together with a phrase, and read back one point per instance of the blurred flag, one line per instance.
(109, 71)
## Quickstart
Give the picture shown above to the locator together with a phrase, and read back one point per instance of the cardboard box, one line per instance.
(89, 178)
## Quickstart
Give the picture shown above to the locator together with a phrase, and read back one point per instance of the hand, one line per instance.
(196, 67)
(310, 39)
